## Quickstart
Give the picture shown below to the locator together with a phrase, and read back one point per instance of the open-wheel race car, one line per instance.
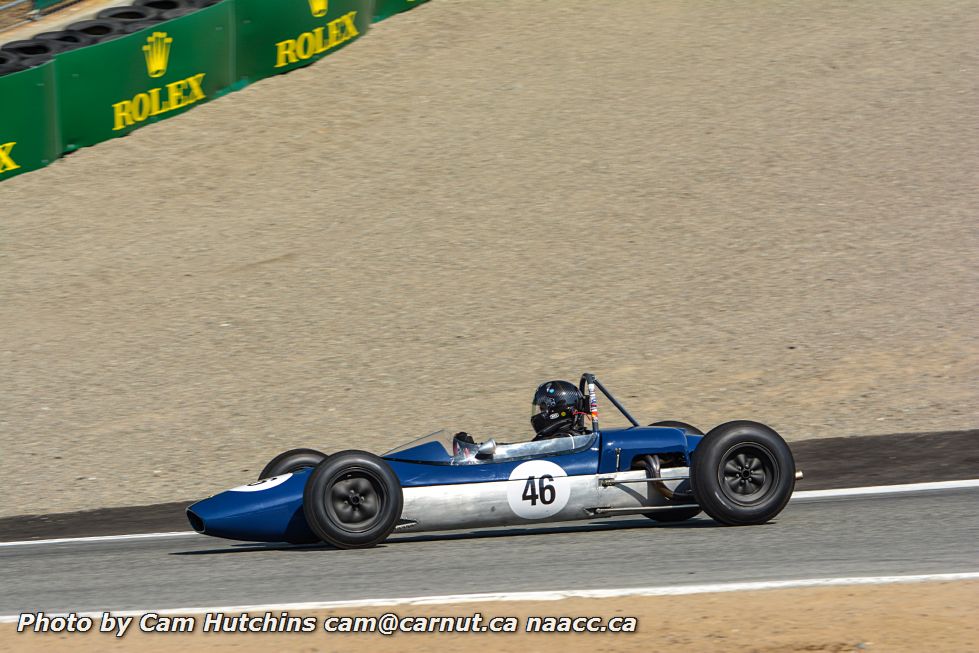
(739, 473)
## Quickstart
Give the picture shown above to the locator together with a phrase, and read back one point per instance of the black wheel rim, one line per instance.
(747, 473)
(354, 500)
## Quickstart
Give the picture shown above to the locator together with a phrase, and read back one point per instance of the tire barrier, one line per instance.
(34, 48)
(165, 5)
(9, 63)
(133, 26)
(129, 14)
(100, 30)
(135, 65)
(70, 39)
(177, 13)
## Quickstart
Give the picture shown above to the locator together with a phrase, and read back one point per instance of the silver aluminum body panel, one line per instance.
(484, 505)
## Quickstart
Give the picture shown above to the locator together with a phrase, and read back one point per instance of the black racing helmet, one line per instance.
(555, 409)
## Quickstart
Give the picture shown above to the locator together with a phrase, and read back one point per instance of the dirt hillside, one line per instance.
(726, 210)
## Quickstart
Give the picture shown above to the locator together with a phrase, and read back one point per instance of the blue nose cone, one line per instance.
(270, 510)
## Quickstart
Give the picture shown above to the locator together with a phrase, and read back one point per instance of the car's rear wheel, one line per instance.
(292, 461)
(742, 473)
(683, 426)
(353, 500)
(678, 514)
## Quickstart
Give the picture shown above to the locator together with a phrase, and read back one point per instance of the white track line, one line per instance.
(102, 538)
(885, 489)
(676, 590)
(803, 495)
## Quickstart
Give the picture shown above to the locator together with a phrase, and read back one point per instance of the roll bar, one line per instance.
(587, 386)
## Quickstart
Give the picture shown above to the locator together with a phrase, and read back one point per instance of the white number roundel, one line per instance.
(538, 489)
(264, 484)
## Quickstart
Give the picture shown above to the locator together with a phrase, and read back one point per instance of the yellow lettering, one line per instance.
(155, 108)
(178, 94)
(304, 45)
(307, 44)
(175, 94)
(321, 46)
(285, 53)
(196, 88)
(123, 112)
(141, 107)
(6, 160)
(348, 22)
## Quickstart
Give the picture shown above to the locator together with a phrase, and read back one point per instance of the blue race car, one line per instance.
(739, 473)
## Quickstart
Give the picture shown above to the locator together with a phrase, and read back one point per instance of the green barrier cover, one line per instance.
(151, 75)
(29, 136)
(98, 92)
(44, 4)
(275, 37)
(387, 8)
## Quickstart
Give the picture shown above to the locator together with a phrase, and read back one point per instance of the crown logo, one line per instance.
(319, 7)
(157, 52)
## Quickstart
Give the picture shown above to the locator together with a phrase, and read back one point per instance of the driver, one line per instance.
(557, 410)
(556, 413)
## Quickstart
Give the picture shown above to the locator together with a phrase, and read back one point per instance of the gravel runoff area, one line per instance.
(726, 210)
(864, 619)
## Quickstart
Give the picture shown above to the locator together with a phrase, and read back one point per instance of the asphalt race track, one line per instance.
(930, 532)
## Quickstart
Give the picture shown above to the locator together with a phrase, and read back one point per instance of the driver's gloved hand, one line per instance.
(462, 436)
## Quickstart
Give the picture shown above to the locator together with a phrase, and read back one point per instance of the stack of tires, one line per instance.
(9, 63)
(108, 24)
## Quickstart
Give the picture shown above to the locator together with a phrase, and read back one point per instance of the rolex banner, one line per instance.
(28, 126)
(112, 88)
(275, 37)
(94, 93)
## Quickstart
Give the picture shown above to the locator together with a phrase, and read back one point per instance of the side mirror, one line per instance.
(486, 449)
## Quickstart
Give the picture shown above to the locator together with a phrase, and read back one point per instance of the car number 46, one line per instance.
(538, 489)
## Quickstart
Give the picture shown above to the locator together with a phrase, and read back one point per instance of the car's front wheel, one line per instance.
(291, 461)
(742, 473)
(353, 500)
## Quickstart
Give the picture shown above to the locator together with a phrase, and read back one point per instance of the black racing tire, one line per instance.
(742, 473)
(139, 26)
(101, 30)
(129, 14)
(163, 5)
(40, 60)
(34, 48)
(353, 500)
(170, 14)
(11, 68)
(10, 63)
(683, 426)
(69, 39)
(291, 461)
